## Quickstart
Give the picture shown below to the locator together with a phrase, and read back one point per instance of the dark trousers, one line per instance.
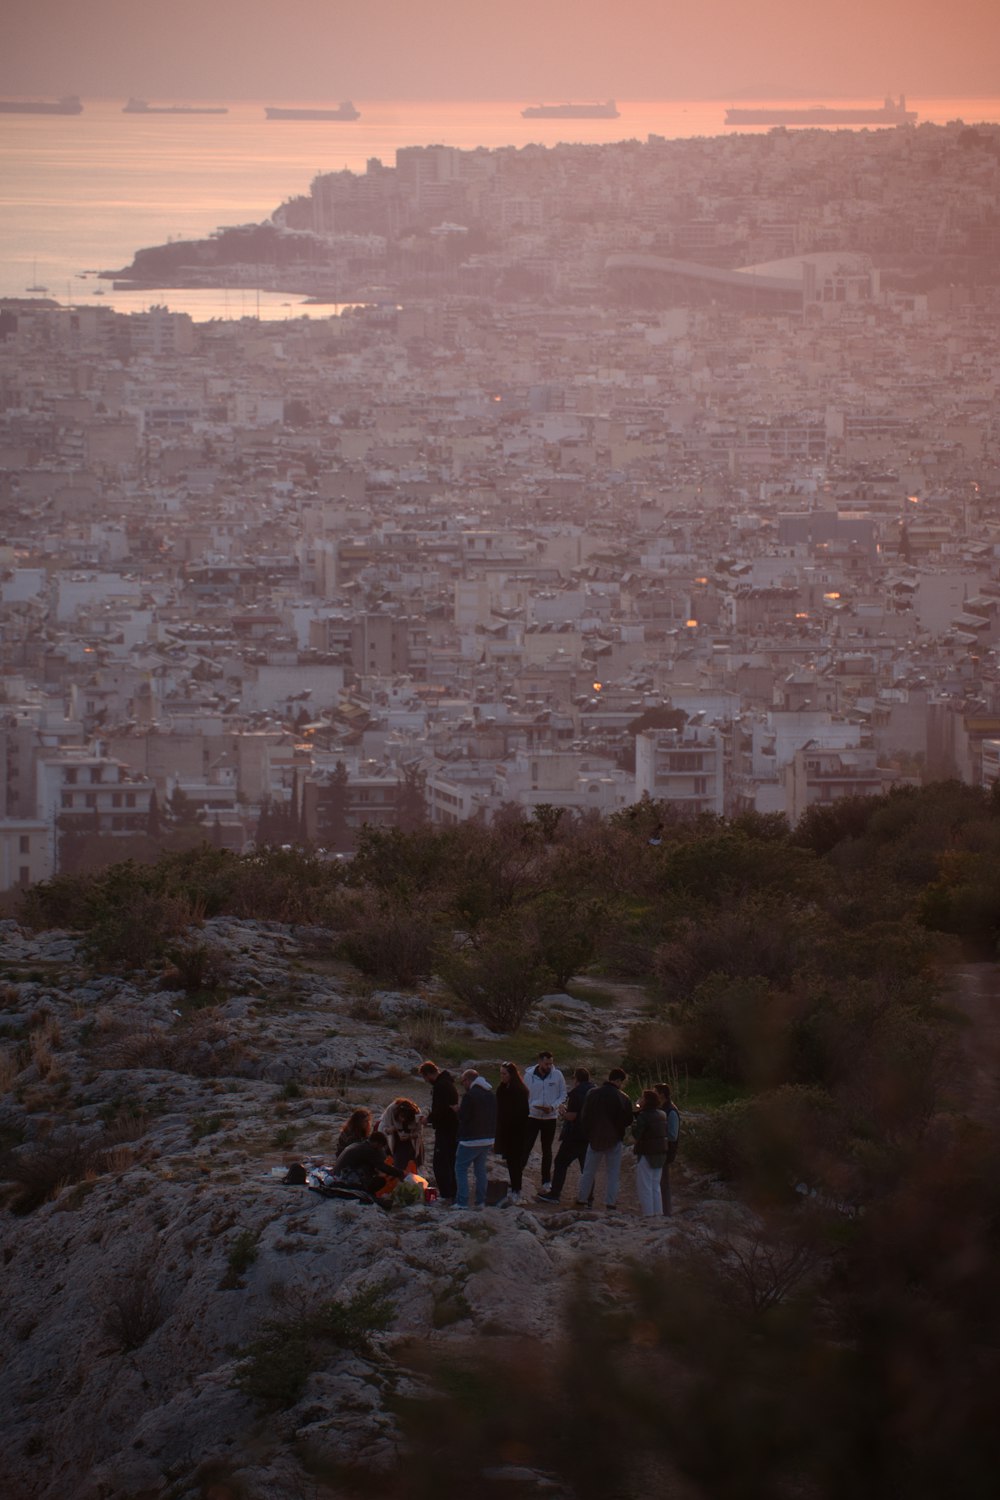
(665, 1198)
(443, 1161)
(568, 1153)
(547, 1130)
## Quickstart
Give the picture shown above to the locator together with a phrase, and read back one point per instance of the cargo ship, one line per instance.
(140, 107)
(344, 111)
(890, 113)
(69, 104)
(606, 111)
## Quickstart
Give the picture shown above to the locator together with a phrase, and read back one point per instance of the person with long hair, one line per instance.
(673, 1135)
(357, 1127)
(512, 1127)
(402, 1125)
(650, 1131)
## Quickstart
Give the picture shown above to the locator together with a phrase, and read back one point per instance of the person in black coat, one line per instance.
(443, 1116)
(512, 1127)
(572, 1141)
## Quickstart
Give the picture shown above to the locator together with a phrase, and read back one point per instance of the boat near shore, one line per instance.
(606, 111)
(344, 111)
(141, 107)
(69, 104)
(889, 113)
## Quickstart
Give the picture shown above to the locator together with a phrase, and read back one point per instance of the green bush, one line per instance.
(771, 1143)
(277, 1363)
(390, 938)
(499, 977)
(241, 1256)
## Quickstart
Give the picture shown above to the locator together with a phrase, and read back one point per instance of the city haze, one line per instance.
(450, 50)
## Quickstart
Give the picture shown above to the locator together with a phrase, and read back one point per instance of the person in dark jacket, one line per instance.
(572, 1141)
(443, 1116)
(650, 1131)
(477, 1128)
(605, 1117)
(512, 1127)
(363, 1165)
(673, 1135)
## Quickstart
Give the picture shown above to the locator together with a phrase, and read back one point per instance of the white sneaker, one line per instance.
(546, 1187)
(513, 1197)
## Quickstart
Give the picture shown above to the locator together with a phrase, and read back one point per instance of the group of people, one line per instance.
(471, 1120)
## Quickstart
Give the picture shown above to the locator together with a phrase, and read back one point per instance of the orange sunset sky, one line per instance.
(467, 49)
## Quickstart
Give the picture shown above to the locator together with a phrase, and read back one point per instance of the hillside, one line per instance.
(168, 1241)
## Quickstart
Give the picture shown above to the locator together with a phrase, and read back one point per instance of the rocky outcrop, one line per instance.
(147, 1240)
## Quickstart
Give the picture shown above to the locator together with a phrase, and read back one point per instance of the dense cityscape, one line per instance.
(683, 484)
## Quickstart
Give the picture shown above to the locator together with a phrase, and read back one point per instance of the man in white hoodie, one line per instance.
(546, 1096)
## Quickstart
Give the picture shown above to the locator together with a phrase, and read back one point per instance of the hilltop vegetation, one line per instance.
(822, 1312)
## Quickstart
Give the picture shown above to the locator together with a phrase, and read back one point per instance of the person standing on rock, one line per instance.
(572, 1141)
(546, 1095)
(443, 1116)
(605, 1117)
(477, 1126)
(512, 1126)
(650, 1131)
(673, 1137)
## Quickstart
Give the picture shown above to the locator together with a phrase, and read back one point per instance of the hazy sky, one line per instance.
(499, 49)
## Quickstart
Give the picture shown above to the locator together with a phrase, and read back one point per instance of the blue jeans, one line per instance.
(475, 1157)
(612, 1159)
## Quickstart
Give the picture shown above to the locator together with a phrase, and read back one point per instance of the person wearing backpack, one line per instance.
(673, 1140)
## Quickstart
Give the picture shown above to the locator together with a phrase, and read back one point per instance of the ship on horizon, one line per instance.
(344, 111)
(606, 111)
(69, 104)
(889, 113)
(141, 107)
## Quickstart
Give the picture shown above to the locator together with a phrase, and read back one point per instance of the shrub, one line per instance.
(278, 1362)
(242, 1254)
(40, 1170)
(773, 1142)
(739, 1030)
(391, 938)
(134, 1309)
(499, 977)
(197, 967)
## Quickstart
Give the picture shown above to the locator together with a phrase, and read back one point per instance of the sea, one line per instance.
(79, 194)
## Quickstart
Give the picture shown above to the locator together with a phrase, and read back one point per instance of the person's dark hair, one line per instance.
(663, 1089)
(649, 1099)
(515, 1081)
(428, 1069)
(378, 1138)
(405, 1111)
(545, 1057)
(581, 1075)
(358, 1124)
(617, 1075)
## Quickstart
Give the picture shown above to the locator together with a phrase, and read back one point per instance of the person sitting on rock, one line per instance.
(402, 1123)
(364, 1165)
(358, 1127)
